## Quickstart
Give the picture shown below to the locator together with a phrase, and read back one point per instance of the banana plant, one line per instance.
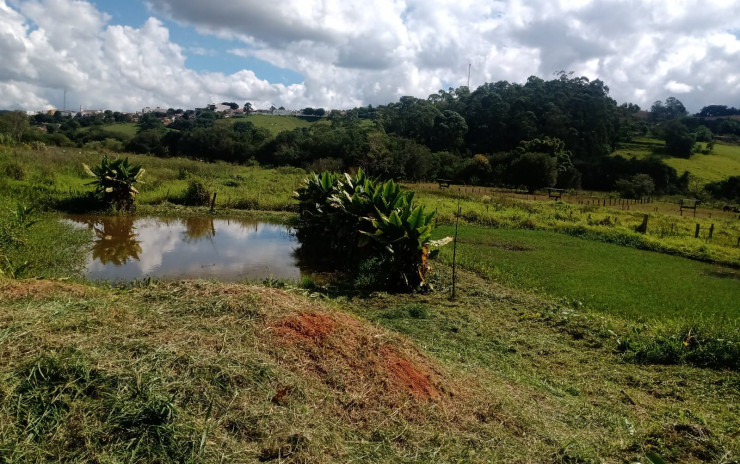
(115, 180)
(405, 234)
(352, 217)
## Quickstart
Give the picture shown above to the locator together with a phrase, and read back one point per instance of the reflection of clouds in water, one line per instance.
(237, 250)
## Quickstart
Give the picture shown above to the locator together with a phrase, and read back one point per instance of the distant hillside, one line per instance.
(275, 124)
(721, 164)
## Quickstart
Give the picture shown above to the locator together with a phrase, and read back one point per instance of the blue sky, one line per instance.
(125, 55)
(216, 57)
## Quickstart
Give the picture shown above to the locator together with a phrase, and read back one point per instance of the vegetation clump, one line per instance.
(114, 182)
(352, 219)
(196, 194)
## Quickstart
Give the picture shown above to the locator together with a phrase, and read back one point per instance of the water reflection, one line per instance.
(126, 248)
(197, 228)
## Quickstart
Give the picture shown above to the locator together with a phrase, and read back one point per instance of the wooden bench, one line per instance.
(444, 183)
(688, 203)
(555, 193)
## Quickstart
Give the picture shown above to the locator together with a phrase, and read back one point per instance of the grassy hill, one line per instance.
(275, 124)
(721, 164)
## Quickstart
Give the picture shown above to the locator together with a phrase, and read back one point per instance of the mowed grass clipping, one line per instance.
(635, 284)
(209, 372)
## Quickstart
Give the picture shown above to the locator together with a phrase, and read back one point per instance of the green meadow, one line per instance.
(722, 163)
(571, 337)
(635, 284)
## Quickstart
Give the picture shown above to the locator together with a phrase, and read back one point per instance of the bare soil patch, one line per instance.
(354, 356)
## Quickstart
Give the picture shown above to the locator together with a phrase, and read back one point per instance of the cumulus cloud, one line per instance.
(355, 52)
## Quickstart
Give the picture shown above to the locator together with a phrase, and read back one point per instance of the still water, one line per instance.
(125, 248)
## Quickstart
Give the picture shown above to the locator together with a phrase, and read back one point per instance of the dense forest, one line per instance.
(538, 134)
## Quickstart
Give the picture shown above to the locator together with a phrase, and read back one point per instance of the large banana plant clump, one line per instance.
(115, 180)
(348, 219)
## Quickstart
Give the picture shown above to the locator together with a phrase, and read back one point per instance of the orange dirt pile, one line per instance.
(405, 373)
(353, 356)
(309, 326)
(11, 290)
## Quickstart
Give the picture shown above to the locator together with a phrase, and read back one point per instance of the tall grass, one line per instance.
(50, 178)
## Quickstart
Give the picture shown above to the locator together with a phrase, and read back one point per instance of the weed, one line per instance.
(196, 194)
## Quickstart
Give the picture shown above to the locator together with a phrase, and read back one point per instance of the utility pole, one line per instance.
(469, 66)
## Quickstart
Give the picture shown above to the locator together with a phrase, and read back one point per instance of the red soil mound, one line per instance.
(353, 356)
(405, 373)
(309, 326)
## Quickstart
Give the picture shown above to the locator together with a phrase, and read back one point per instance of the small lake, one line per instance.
(127, 248)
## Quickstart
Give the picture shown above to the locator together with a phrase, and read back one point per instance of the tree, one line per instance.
(533, 170)
(248, 108)
(672, 109)
(703, 134)
(728, 189)
(14, 123)
(149, 121)
(449, 131)
(679, 142)
(636, 187)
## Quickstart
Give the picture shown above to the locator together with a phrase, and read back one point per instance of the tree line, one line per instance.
(541, 133)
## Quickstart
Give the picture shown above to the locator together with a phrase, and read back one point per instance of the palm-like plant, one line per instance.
(115, 180)
(348, 219)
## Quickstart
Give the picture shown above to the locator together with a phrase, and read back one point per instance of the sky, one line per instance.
(124, 55)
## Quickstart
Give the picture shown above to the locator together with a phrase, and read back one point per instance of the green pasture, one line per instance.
(722, 163)
(635, 284)
(667, 232)
(275, 124)
(124, 128)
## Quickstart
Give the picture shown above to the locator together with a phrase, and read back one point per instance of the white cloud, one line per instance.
(356, 52)
(678, 87)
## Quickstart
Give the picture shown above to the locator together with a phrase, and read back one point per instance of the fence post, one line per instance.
(213, 201)
(711, 231)
(696, 234)
(454, 249)
(642, 228)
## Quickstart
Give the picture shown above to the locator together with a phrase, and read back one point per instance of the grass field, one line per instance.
(209, 372)
(635, 284)
(125, 128)
(667, 232)
(275, 124)
(566, 343)
(49, 176)
(721, 164)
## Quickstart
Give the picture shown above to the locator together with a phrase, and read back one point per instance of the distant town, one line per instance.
(169, 115)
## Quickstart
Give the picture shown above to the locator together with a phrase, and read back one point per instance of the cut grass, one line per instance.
(205, 372)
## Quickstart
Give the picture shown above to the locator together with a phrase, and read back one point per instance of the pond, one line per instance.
(127, 248)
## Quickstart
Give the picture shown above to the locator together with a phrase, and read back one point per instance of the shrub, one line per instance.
(196, 194)
(635, 187)
(114, 182)
(356, 223)
(15, 171)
